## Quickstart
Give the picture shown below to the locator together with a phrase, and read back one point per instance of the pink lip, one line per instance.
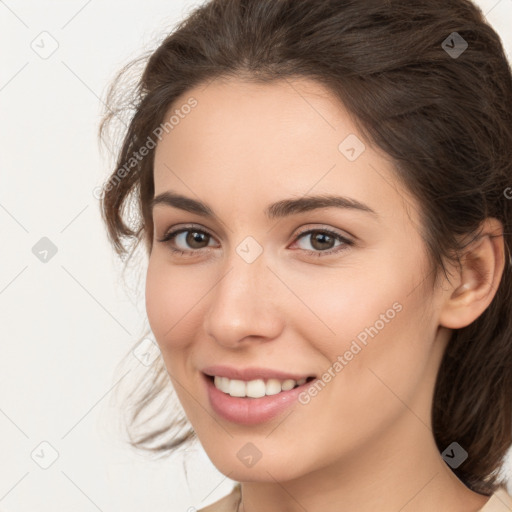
(250, 411)
(248, 374)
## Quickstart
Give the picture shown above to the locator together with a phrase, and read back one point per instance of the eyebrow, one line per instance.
(283, 208)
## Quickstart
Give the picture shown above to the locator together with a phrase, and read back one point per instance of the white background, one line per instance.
(67, 322)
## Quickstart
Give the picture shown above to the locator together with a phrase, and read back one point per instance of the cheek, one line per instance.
(368, 325)
(346, 304)
(385, 347)
(170, 299)
(365, 390)
(385, 380)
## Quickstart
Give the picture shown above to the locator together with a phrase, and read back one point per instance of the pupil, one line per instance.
(321, 237)
(194, 239)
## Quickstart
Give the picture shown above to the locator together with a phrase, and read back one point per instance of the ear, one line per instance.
(479, 276)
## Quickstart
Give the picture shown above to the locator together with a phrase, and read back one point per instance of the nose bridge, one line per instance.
(244, 300)
(247, 272)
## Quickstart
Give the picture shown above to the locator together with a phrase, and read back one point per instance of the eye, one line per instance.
(324, 241)
(188, 240)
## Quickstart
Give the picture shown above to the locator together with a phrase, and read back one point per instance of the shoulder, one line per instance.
(500, 501)
(227, 504)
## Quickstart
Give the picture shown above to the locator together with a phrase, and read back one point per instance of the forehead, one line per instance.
(266, 140)
(263, 116)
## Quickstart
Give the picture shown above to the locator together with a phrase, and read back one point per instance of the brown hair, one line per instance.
(444, 119)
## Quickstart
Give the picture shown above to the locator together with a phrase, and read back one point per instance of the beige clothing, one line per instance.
(227, 504)
(500, 501)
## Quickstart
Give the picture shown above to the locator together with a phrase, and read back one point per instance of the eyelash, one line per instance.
(346, 243)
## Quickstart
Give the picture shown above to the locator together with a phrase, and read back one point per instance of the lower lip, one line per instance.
(251, 411)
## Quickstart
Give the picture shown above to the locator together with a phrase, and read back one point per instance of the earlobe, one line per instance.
(481, 270)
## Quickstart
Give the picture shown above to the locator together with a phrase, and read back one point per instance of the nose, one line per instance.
(246, 304)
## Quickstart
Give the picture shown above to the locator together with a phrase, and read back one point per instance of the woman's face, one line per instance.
(274, 286)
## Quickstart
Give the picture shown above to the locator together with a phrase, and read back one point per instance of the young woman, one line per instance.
(323, 190)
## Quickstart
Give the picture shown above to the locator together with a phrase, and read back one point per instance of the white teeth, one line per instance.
(237, 388)
(222, 383)
(254, 388)
(288, 384)
(273, 387)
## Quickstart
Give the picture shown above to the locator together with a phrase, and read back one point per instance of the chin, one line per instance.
(266, 469)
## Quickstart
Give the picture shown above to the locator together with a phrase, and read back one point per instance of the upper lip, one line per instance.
(251, 373)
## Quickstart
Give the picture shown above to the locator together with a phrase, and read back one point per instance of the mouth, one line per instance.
(252, 396)
(256, 388)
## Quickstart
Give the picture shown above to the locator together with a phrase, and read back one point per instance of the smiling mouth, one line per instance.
(256, 388)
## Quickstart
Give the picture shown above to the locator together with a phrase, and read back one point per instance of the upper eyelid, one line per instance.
(185, 228)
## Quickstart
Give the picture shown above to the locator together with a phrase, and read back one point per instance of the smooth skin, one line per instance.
(365, 442)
